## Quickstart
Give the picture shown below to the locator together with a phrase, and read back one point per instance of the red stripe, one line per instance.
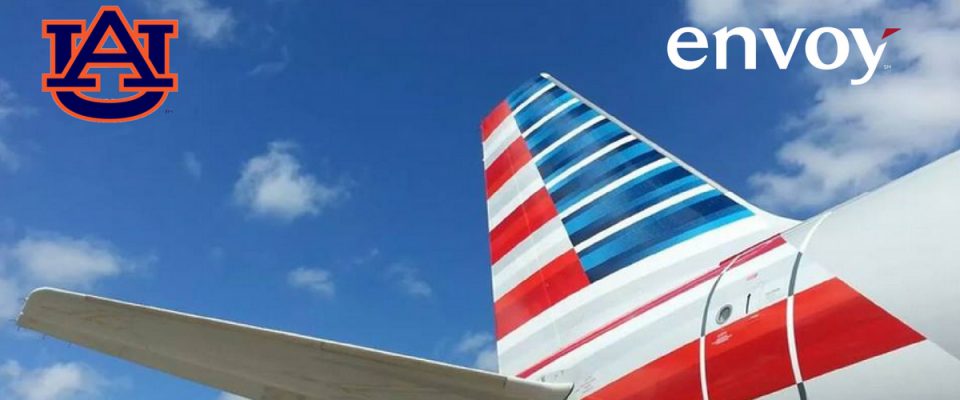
(750, 361)
(751, 357)
(740, 259)
(506, 165)
(554, 282)
(675, 376)
(754, 251)
(531, 215)
(836, 326)
(493, 120)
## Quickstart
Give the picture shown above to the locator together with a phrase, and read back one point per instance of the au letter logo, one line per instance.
(141, 53)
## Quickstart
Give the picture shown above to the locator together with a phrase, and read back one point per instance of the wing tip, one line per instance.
(45, 292)
(34, 303)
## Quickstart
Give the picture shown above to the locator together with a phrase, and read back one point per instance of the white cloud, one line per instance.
(316, 280)
(855, 138)
(272, 67)
(10, 369)
(65, 261)
(408, 280)
(8, 159)
(729, 12)
(230, 396)
(367, 257)
(273, 185)
(192, 165)
(473, 341)
(9, 107)
(9, 298)
(7, 100)
(480, 346)
(204, 21)
(487, 360)
(61, 381)
(52, 260)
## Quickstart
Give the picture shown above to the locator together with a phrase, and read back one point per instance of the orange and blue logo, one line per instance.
(141, 51)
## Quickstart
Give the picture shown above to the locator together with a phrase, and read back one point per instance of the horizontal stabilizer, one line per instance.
(262, 364)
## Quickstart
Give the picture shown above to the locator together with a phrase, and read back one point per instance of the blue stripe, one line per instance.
(724, 217)
(602, 171)
(617, 156)
(540, 107)
(558, 126)
(582, 146)
(616, 199)
(656, 228)
(584, 186)
(600, 218)
(526, 90)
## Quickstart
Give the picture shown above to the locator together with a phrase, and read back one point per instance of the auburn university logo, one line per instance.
(143, 50)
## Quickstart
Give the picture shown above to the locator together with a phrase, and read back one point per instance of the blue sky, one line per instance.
(320, 169)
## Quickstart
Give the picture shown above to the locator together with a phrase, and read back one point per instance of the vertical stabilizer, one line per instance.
(584, 213)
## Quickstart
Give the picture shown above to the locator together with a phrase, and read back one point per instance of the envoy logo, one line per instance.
(681, 39)
(142, 52)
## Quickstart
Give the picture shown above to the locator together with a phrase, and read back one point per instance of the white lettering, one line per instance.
(871, 58)
(813, 51)
(783, 58)
(749, 46)
(674, 46)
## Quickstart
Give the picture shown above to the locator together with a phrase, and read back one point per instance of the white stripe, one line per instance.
(703, 369)
(806, 240)
(499, 140)
(781, 222)
(523, 184)
(508, 130)
(703, 335)
(639, 341)
(531, 255)
(608, 299)
(642, 215)
(591, 158)
(689, 302)
(662, 318)
(614, 185)
(570, 135)
(533, 98)
(724, 240)
(500, 137)
(792, 342)
(791, 327)
(550, 115)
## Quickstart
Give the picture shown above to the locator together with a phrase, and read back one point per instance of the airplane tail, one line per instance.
(587, 217)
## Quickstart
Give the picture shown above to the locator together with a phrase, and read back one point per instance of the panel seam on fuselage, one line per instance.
(791, 328)
(703, 329)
